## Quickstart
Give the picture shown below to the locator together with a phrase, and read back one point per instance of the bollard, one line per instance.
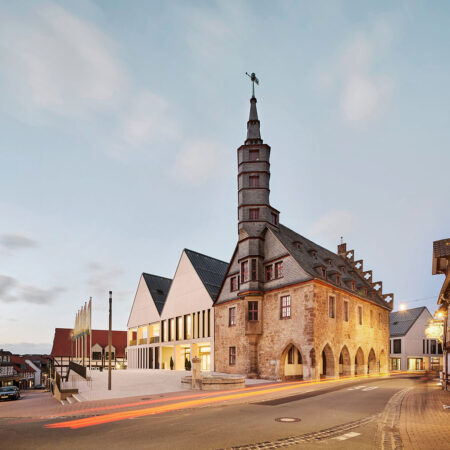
(196, 375)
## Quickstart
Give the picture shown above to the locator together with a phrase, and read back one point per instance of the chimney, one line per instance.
(342, 249)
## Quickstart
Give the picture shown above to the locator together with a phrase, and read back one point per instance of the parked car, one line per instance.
(39, 386)
(9, 393)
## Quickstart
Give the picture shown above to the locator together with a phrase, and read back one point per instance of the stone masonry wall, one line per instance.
(227, 336)
(337, 333)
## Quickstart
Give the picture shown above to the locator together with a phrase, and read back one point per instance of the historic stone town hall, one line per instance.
(284, 307)
(288, 307)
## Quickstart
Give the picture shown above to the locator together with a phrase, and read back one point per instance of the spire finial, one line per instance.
(254, 80)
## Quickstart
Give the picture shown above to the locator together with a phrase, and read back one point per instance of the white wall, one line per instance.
(143, 310)
(187, 293)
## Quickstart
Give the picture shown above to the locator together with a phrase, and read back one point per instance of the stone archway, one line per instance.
(327, 368)
(371, 362)
(291, 363)
(359, 362)
(344, 362)
(383, 362)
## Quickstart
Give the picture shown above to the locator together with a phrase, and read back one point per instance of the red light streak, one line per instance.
(194, 401)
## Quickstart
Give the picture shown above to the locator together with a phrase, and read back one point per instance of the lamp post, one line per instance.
(109, 340)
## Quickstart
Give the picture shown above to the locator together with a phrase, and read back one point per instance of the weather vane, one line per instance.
(254, 80)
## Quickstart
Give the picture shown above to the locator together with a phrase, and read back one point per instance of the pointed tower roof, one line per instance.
(253, 125)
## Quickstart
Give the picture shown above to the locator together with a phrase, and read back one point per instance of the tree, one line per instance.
(187, 364)
(171, 363)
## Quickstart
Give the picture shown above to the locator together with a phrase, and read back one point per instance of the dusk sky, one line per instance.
(119, 124)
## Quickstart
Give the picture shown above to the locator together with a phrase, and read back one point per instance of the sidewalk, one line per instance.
(424, 424)
(131, 383)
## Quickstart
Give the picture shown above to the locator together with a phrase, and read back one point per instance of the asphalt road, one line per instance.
(228, 425)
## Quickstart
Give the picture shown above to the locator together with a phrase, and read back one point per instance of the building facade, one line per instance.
(17, 371)
(287, 307)
(97, 356)
(441, 266)
(172, 321)
(410, 349)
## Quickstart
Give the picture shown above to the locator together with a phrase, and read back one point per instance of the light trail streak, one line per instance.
(214, 398)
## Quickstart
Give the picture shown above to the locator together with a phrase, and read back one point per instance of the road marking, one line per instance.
(356, 387)
(371, 388)
(347, 436)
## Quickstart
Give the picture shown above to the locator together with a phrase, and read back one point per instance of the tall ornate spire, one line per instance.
(253, 125)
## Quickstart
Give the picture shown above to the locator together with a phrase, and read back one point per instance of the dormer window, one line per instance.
(253, 155)
(313, 253)
(253, 181)
(253, 213)
(324, 272)
(338, 279)
(329, 261)
(353, 285)
(298, 245)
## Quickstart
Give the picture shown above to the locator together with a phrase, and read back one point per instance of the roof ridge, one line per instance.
(157, 276)
(206, 256)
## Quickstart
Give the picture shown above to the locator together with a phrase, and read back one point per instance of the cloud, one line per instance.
(147, 119)
(15, 241)
(209, 30)
(101, 279)
(363, 89)
(60, 62)
(12, 291)
(332, 226)
(363, 96)
(198, 160)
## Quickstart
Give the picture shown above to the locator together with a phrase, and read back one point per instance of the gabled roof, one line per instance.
(402, 321)
(211, 271)
(310, 256)
(62, 345)
(159, 288)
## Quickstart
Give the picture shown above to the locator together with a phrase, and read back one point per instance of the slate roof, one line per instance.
(441, 249)
(62, 341)
(211, 271)
(402, 321)
(159, 288)
(311, 256)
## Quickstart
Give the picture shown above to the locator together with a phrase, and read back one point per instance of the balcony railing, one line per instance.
(142, 341)
(133, 342)
(154, 340)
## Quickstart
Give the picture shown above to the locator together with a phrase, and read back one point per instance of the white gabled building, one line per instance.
(173, 320)
(410, 348)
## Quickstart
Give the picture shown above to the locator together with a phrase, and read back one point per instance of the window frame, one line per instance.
(233, 284)
(244, 271)
(232, 316)
(360, 314)
(396, 350)
(285, 306)
(332, 307)
(268, 270)
(254, 270)
(345, 311)
(274, 219)
(253, 181)
(253, 155)
(232, 355)
(253, 214)
(253, 310)
(278, 270)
